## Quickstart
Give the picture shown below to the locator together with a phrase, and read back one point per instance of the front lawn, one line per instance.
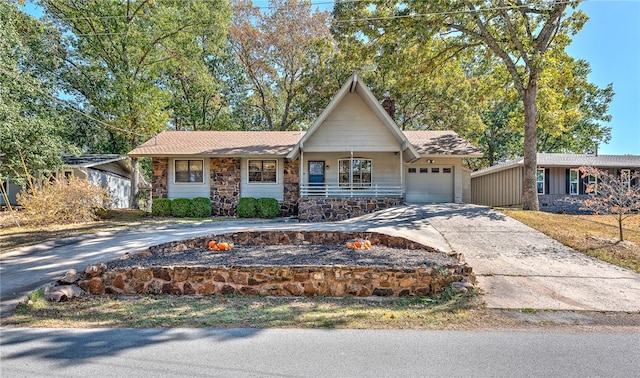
(594, 235)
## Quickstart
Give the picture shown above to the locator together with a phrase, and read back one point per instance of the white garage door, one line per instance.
(429, 183)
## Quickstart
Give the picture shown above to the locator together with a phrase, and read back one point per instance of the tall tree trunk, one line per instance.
(529, 187)
(133, 200)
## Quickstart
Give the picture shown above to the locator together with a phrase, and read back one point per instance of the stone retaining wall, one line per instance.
(562, 203)
(279, 280)
(322, 209)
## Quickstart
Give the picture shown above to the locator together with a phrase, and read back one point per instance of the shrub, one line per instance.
(247, 207)
(181, 207)
(201, 207)
(267, 207)
(63, 201)
(161, 207)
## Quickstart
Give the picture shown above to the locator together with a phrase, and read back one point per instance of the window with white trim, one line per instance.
(593, 184)
(354, 172)
(189, 171)
(574, 182)
(540, 180)
(625, 176)
(263, 171)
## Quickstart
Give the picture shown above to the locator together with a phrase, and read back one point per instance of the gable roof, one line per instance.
(568, 160)
(219, 143)
(96, 161)
(91, 160)
(355, 85)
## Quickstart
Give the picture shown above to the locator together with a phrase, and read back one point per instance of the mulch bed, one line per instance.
(290, 255)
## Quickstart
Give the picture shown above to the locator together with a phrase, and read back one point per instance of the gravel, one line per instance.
(291, 255)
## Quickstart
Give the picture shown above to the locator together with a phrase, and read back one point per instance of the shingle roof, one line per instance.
(90, 160)
(569, 160)
(441, 143)
(280, 143)
(171, 143)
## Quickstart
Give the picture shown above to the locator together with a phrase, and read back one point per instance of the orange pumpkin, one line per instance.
(211, 244)
(224, 246)
(357, 245)
(350, 246)
(367, 244)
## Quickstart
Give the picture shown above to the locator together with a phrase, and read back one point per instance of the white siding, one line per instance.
(259, 190)
(352, 126)
(188, 189)
(119, 188)
(385, 167)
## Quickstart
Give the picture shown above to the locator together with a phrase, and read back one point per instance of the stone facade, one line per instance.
(225, 186)
(329, 280)
(562, 203)
(160, 174)
(289, 205)
(225, 193)
(321, 209)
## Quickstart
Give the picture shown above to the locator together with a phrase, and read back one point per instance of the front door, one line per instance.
(316, 172)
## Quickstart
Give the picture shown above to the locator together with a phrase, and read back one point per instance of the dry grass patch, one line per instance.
(594, 235)
(448, 312)
(12, 237)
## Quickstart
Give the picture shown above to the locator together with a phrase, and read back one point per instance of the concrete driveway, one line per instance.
(517, 267)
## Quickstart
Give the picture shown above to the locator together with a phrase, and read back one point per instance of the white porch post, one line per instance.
(401, 176)
(301, 171)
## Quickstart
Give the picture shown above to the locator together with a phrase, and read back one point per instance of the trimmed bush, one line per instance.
(267, 207)
(247, 207)
(161, 207)
(201, 207)
(180, 207)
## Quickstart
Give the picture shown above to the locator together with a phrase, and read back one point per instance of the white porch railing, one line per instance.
(345, 191)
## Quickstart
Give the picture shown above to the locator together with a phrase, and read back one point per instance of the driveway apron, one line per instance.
(518, 267)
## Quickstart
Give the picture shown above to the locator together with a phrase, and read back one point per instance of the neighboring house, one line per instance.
(353, 160)
(109, 171)
(560, 185)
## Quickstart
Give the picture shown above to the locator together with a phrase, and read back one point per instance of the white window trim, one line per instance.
(593, 182)
(176, 182)
(543, 180)
(627, 173)
(350, 184)
(577, 181)
(249, 182)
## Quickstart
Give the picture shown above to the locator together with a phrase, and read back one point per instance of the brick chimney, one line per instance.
(389, 105)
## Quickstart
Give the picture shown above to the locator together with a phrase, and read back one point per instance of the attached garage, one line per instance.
(429, 183)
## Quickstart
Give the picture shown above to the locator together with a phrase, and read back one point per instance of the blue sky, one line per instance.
(610, 42)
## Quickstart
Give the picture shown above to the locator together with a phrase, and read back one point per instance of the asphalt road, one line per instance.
(314, 353)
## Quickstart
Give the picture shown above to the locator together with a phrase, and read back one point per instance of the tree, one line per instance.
(280, 50)
(119, 52)
(32, 122)
(521, 35)
(618, 195)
